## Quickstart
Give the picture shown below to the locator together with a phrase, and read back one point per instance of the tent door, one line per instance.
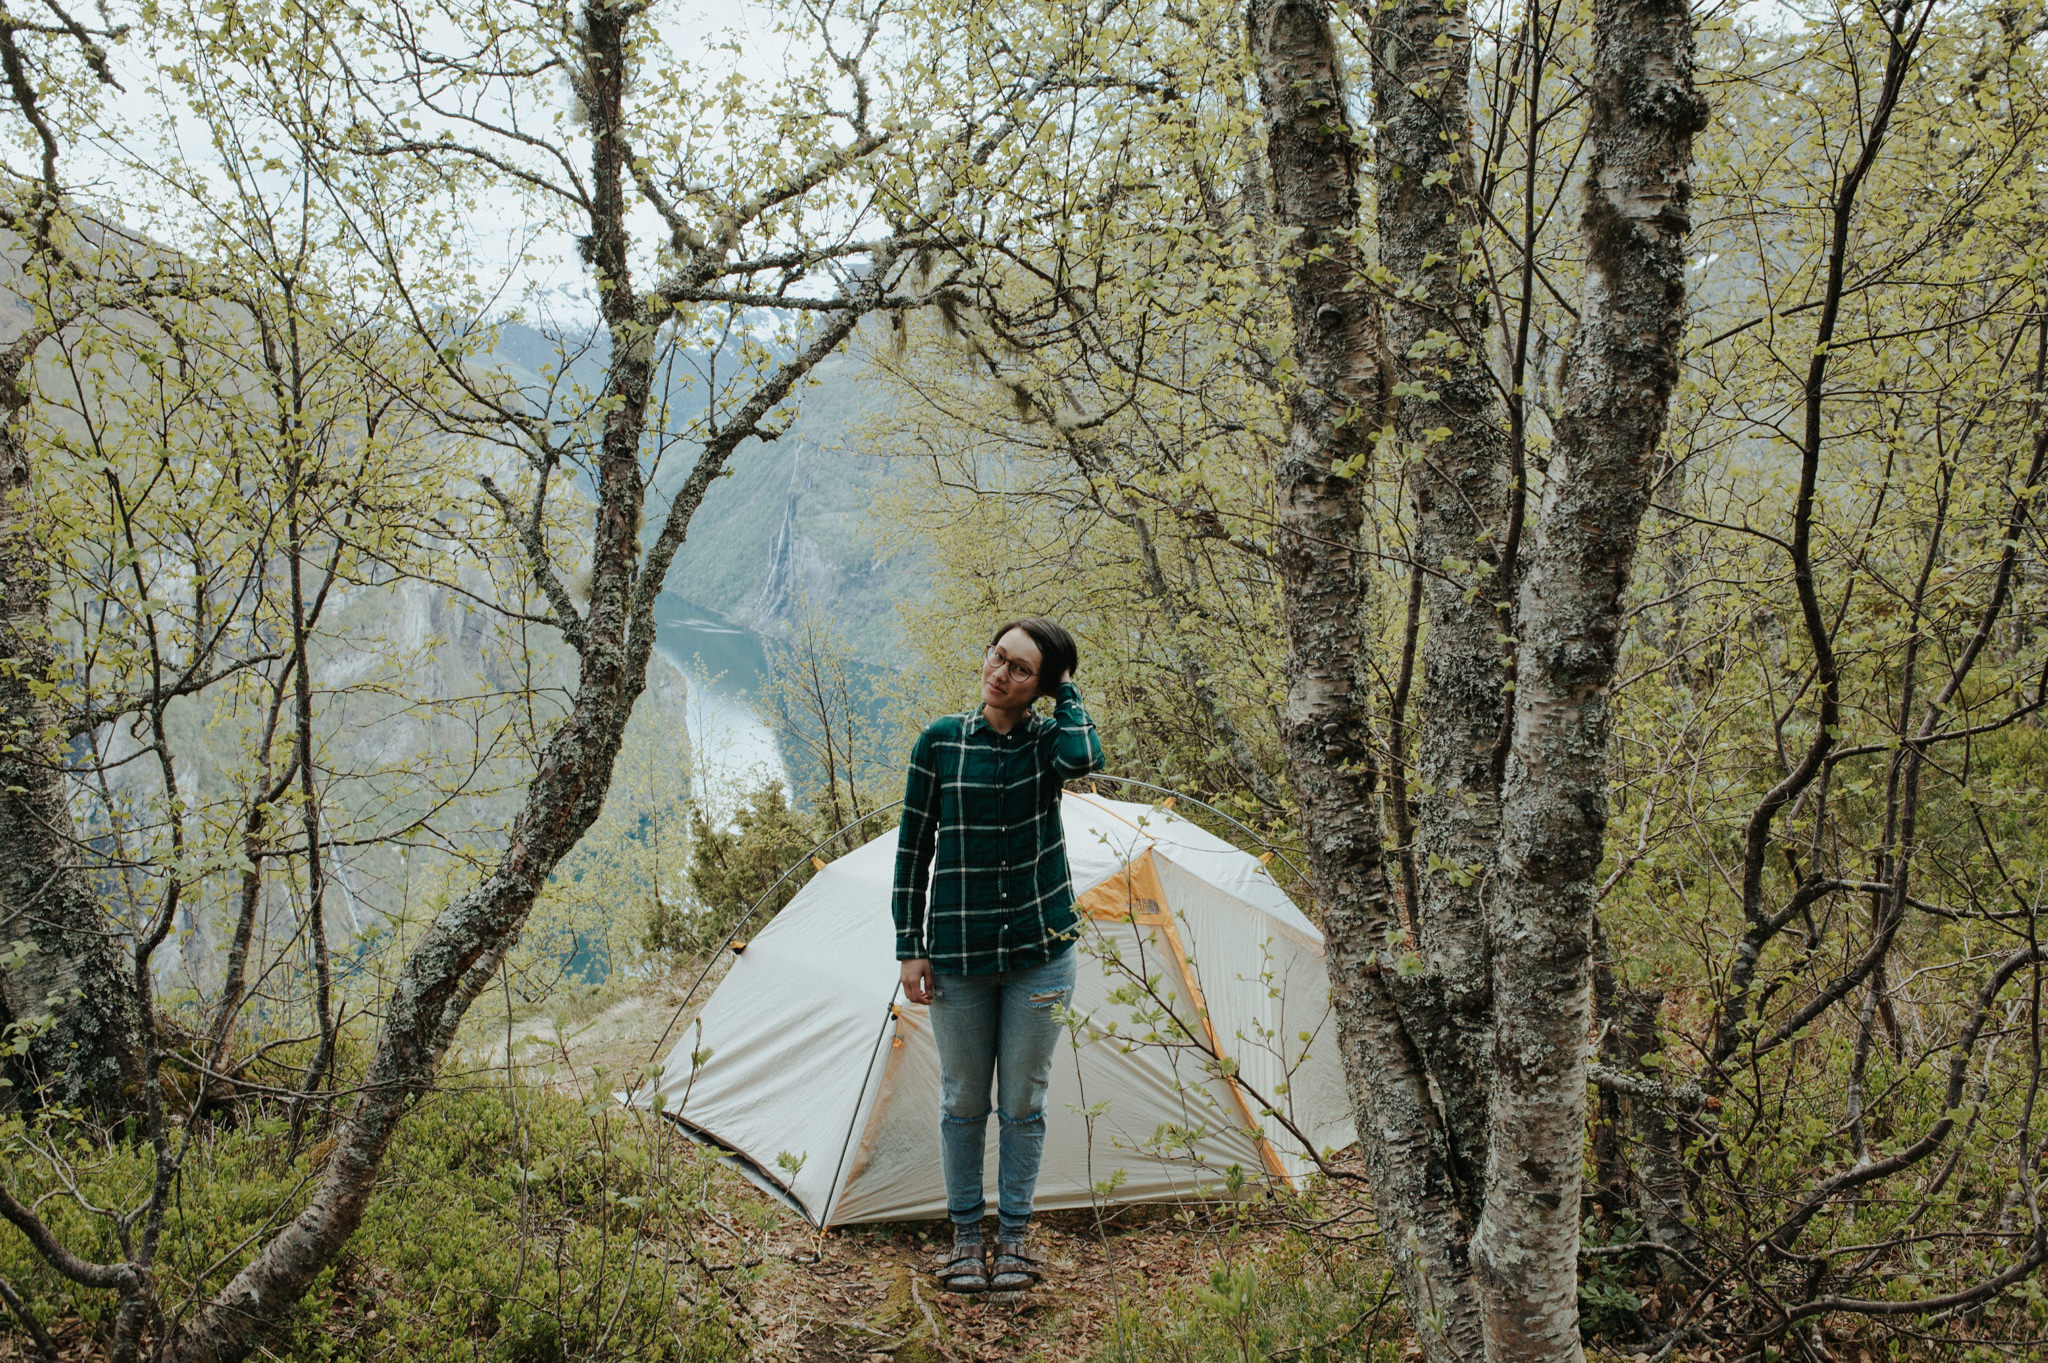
(861, 1107)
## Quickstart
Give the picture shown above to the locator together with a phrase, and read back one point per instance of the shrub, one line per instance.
(1302, 1300)
(526, 1227)
(730, 869)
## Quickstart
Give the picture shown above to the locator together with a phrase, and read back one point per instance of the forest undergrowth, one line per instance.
(531, 1218)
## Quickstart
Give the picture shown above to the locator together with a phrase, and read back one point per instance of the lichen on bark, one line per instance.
(1470, 1083)
(1312, 160)
(68, 985)
(1623, 365)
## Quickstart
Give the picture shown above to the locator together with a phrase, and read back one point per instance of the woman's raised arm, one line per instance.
(1076, 750)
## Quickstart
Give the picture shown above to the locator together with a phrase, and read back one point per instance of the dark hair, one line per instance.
(1057, 655)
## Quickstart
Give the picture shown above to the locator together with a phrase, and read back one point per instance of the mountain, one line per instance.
(425, 699)
(792, 523)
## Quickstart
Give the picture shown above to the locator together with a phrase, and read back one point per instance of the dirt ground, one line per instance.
(871, 1292)
(871, 1295)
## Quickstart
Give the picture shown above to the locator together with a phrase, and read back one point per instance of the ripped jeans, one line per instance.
(1002, 1026)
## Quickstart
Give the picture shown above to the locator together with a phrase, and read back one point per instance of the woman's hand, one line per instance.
(917, 980)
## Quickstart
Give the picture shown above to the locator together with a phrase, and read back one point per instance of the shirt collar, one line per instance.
(1034, 723)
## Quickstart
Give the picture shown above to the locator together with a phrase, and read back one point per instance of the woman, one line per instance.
(990, 948)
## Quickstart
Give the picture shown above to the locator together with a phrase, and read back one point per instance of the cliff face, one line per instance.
(792, 525)
(428, 707)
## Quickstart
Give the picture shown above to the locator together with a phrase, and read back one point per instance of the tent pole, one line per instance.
(832, 1193)
(1267, 1154)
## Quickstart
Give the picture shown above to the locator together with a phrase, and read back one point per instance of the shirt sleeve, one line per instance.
(1076, 750)
(916, 840)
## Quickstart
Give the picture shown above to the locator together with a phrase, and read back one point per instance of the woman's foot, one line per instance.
(966, 1268)
(1017, 1267)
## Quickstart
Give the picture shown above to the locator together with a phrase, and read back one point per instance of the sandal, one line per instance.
(1017, 1266)
(965, 1271)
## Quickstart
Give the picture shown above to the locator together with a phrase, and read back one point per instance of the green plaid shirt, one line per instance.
(988, 805)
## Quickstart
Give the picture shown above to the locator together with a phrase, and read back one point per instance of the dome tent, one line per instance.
(1203, 1037)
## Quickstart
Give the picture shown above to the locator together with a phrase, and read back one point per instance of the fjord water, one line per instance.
(724, 663)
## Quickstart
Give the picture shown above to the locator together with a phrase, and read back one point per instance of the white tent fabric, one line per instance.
(1205, 1037)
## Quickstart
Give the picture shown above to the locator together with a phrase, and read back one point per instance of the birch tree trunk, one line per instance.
(1311, 154)
(1618, 382)
(1449, 420)
(67, 963)
(613, 637)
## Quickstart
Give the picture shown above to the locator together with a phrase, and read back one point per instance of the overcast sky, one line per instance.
(502, 227)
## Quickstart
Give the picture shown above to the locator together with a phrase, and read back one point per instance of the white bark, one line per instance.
(1623, 365)
(1311, 157)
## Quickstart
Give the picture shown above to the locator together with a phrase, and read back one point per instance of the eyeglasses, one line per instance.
(1002, 660)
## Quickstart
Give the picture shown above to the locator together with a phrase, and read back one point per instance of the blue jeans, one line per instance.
(1002, 1026)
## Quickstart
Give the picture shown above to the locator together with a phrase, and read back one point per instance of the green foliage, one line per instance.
(1070, 460)
(731, 867)
(522, 1226)
(1303, 1300)
(1606, 1306)
(1926, 428)
(1091, 421)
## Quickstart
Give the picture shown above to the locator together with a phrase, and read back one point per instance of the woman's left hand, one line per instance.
(916, 978)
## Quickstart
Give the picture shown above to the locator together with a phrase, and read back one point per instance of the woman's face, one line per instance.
(1004, 680)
